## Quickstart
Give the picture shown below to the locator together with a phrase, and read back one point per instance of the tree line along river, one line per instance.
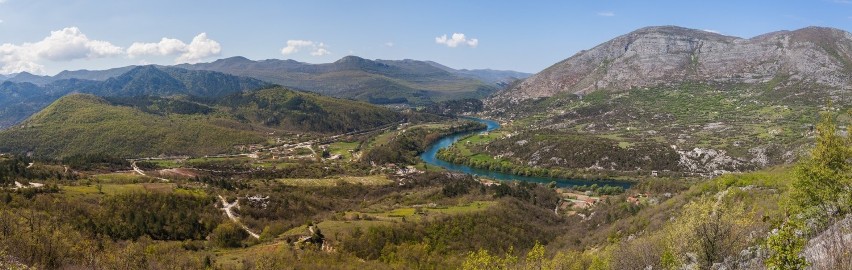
(430, 157)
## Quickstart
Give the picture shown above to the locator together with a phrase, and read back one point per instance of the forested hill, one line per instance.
(151, 126)
(19, 100)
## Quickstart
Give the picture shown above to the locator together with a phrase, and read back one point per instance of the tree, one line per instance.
(482, 260)
(714, 235)
(551, 185)
(824, 181)
(228, 235)
(7, 198)
(535, 257)
(785, 246)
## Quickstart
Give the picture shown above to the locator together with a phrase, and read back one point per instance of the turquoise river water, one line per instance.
(430, 157)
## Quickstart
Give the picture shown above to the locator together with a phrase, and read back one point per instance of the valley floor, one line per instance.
(366, 201)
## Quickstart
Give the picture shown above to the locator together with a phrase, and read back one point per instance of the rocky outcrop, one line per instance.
(667, 54)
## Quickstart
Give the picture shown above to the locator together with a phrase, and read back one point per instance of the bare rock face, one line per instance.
(667, 54)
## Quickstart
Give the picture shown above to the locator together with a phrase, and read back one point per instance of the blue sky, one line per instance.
(49, 36)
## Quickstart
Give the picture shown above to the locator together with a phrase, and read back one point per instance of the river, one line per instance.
(430, 157)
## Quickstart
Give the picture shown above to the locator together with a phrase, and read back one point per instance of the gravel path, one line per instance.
(227, 207)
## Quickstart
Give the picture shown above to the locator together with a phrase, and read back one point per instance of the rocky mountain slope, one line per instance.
(664, 55)
(721, 103)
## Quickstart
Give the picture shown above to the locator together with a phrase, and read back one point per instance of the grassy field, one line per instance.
(167, 163)
(112, 189)
(383, 138)
(233, 258)
(122, 178)
(343, 149)
(373, 180)
(331, 228)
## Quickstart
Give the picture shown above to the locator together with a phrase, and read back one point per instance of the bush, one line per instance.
(228, 235)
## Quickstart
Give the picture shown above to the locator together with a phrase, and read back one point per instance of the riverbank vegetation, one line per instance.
(547, 153)
(404, 146)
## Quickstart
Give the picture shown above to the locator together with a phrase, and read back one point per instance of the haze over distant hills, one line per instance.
(376, 81)
(20, 100)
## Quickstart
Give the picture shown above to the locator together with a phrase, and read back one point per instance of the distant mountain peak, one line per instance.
(674, 30)
(146, 69)
(670, 54)
(349, 58)
(234, 59)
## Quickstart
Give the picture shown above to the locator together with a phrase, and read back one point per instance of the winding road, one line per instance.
(227, 207)
(139, 171)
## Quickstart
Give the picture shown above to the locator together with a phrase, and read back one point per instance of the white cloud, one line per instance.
(388, 44)
(201, 47)
(1, 20)
(62, 45)
(606, 13)
(456, 40)
(320, 52)
(294, 45)
(166, 46)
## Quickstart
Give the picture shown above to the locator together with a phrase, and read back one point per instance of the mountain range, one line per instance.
(19, 100)
(376, 81)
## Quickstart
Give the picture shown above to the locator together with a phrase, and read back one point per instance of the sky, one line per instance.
(46, 37)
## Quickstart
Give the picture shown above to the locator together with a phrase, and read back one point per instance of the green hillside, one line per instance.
(80, 123)
(152, 126)
(19, 100)
(300, 111)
